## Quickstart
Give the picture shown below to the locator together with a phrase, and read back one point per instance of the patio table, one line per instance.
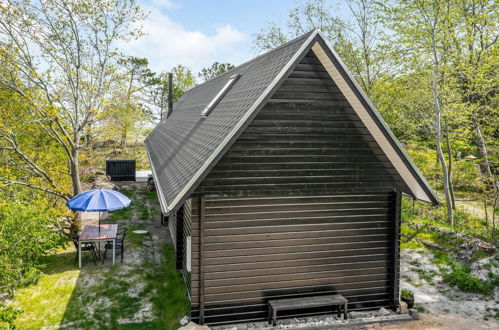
(92, 233)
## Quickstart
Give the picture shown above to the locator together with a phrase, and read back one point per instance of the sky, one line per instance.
(197, 33)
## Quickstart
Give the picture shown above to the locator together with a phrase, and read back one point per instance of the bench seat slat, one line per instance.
(317, 301)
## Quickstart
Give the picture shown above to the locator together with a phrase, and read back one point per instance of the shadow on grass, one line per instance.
(138, 294)
(128, 296)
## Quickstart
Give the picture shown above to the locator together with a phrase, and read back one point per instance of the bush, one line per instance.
(8, 315)
(460, 276)
(27, 232)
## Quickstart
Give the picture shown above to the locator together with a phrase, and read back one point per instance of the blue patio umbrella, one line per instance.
(98, 200)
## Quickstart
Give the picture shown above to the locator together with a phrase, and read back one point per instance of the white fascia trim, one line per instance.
(243, 120)
(413, 184)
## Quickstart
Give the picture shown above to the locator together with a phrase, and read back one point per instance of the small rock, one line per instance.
(355, 315)
(383, 312)
(194, 326)
(414, 313)
(184, 320)
(403, 308)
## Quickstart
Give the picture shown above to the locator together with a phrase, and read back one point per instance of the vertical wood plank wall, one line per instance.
(180, 239)
(187, 232)
(302, 203)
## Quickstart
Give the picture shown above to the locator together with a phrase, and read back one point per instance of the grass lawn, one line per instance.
(145, 292)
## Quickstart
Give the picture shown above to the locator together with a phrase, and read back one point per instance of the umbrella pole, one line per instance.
(99, 235)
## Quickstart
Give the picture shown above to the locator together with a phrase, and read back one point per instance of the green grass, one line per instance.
(98, 297)
(491, 313)
(139, 294)
(170, 300)
(459, 274)
(139, 208)
(420, 309)
(135, 240)
(128, 212)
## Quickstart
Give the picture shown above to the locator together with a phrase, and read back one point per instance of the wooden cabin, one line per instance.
(280, 179)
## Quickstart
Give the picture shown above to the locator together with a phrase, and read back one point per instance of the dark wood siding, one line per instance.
(187, 232)
(302, 203)
(180, 246)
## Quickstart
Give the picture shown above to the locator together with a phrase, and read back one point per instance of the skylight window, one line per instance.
(220, 95)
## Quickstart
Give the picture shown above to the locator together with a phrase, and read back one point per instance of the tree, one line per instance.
(423, 27)
(215, 70)
(359, 41)
(129, 102)
(183, 80)
(28, 156)
(455, 42)
(60, 58)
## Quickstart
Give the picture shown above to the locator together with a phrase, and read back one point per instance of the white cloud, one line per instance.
(168, 43)
(165, 4)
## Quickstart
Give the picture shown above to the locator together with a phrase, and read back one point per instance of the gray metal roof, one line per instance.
(184, 147)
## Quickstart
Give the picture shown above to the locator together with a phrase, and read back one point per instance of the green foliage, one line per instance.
(27, 233)
(408, 54)
(460, 276)
(183, 80)
(406, 293)
(112, 294)
(138, 209)
(491, 312)
(425, 214)
(215, 70)
(8, 316)
(421, 309)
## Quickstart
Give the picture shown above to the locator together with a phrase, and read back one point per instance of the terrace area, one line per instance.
(143, 292)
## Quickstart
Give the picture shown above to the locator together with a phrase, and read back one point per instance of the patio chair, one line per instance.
(84, 247)
(121, 231)
(120, 245)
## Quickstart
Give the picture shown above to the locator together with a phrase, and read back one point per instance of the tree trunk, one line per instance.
(438, 135)
(482, 149)
(75, 172)
(75, 179)
(494, 208)
(124, 136)
(449, 154)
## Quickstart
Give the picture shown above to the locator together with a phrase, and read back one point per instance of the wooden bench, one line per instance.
(307, 302)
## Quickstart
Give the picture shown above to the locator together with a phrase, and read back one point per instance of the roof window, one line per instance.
(220, 95)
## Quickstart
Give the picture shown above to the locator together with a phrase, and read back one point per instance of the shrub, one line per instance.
(27, 232)
(8, 315)
(460, 276)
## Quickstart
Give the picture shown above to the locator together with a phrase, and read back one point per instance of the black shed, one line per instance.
(281, 179)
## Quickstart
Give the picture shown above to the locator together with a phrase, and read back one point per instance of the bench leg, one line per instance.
(274, 317)
(339, 311)
(269, 316)
(345, 311)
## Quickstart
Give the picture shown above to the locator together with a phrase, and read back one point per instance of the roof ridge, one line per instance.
(286, 44)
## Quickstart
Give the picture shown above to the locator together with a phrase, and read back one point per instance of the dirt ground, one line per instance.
(441, 322)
